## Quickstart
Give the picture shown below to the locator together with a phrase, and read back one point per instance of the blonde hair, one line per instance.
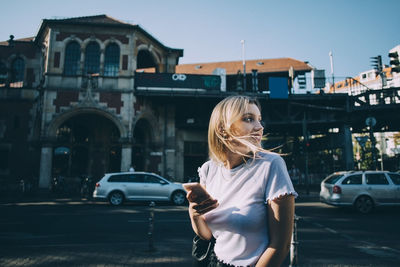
(221, 137)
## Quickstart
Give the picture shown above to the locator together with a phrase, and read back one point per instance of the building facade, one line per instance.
(92, 95)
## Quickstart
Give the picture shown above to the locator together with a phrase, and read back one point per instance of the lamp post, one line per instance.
(244, 66)
(333, 76)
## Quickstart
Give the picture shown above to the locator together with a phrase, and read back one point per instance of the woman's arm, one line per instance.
(196, 212)
(280, 223)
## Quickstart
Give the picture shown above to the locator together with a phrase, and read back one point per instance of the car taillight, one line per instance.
(337, 190)
(97, 184)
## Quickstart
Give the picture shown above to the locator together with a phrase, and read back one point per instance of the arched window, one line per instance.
(92, 58)
(72, 58)
(18, 70)
(111, 62)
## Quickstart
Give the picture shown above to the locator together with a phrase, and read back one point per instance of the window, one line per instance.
(92, 58)
(395, 178)
(353, 179)
(111, 61)
(333, 178)
(72, 58)
(153, 179)
(18, 70)
(119, 179)
(376, 178)
(3, 73)
(139, 178)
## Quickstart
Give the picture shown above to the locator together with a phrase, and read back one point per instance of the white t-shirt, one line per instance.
(240, 223)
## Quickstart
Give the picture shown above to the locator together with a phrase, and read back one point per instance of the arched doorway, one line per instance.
(86, 144)
(146, 60)
(141, 146)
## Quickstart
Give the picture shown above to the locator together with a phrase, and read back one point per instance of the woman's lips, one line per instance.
(257, 137)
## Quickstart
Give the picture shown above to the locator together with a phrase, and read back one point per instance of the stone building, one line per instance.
(91, 95)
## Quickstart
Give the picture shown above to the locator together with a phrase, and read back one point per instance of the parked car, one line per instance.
(143, 186)
(362, 189)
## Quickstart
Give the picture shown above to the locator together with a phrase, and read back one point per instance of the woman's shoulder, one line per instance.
(269, 156)
(203, 169)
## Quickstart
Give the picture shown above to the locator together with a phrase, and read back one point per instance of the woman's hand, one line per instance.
(198, 209)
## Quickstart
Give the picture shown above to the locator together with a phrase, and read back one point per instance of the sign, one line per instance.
(278, 87)
(178, 80)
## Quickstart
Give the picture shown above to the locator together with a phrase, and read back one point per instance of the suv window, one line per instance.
(120, 178)
(333, 178)
(376, 178)
(139, 178)
(353, 179)
(152, 179)
(395, 178)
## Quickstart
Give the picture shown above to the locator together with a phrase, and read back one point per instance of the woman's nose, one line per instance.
(259, 125)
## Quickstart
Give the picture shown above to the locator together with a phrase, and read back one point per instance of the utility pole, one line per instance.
(332, 73)
(244, 66)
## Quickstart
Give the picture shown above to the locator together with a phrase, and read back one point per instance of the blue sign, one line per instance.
(278, 87)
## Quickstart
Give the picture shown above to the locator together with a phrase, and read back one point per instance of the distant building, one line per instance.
(367, 80)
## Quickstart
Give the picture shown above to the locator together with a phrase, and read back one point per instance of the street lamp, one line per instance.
(244, 66)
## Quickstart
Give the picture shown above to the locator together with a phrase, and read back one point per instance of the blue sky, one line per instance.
(211, 30)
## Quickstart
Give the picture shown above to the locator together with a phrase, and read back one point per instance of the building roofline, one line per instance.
(112, 23)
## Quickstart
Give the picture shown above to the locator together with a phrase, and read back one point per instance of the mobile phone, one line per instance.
(199, 193)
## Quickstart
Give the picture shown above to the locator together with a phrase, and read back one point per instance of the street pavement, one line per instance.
(75, 232)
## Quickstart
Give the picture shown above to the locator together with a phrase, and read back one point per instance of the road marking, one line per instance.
(363, 246)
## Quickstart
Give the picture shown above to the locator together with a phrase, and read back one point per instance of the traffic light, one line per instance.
(377, 64)
(394, 61)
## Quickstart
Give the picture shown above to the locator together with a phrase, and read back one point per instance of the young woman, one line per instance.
(251, 209)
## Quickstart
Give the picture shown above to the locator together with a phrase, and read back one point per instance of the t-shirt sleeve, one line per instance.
(203, 171)
(278, 181)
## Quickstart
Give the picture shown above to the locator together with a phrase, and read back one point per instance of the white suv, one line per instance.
(118, 187)
(362, 189)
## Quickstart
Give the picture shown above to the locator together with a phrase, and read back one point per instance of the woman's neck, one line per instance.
(233, 160)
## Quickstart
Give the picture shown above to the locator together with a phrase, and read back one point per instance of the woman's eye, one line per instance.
(248, 119)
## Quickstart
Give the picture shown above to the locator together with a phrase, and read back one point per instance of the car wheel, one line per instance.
(178, 198)
(364, 204)
(116, 198)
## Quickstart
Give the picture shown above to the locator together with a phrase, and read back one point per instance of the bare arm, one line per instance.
(196, 212)
(280, 222)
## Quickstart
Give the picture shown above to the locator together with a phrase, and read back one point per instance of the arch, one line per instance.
(112, 40)
(90, 40)
(151, 120)
(147, 58)
(143, 136)
(92, 58)
(72, 58)
(86, 143)
(60, 119)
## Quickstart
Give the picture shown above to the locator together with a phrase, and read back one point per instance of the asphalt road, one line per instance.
(82, 233)
(332, 236)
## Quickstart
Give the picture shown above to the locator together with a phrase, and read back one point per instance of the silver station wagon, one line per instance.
(140, 186)
(362, 189)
